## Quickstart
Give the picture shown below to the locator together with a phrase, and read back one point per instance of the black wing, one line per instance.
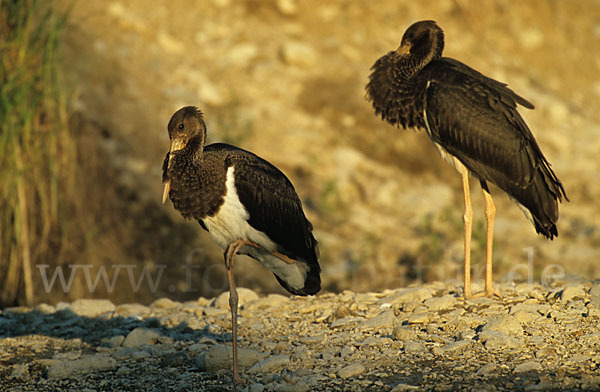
(276, 210)
(475, 119)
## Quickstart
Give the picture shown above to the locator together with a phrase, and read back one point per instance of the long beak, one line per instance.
(176, 145)
(404, 48)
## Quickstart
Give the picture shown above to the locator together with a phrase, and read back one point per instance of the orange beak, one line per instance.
(176, 145)
(404, 48)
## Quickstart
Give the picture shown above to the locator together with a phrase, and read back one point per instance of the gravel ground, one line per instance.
(417, 338)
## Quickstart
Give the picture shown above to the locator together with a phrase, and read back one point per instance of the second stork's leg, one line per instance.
(468, 221)
(230, 252)
(490, 214)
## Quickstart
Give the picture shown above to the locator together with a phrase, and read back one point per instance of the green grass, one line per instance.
(36, 148)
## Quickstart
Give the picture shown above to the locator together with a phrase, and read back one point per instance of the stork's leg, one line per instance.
(468, 221)
(490, 214)
(231, 251)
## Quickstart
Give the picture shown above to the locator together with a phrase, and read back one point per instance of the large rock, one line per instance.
(91, 307)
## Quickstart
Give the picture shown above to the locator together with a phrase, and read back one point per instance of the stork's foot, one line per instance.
(489, 293)
(237, 379)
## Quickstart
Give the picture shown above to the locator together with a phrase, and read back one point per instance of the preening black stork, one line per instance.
(474, 123)
(247, 205)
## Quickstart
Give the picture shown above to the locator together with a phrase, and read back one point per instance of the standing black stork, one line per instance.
(474, 123)
(246, 204)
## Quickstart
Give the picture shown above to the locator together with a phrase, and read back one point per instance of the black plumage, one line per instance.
(473, 121)
(247, 205)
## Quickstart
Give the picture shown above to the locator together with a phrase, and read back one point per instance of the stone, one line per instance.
(68, 368)
(351, 370)
(504, 323)
(403, 333)
(384, 319)
(413, 347)
(20, 370)
(487, 369)
(270, 364)
(572, 291)
(418, 318)
(445, 302)
(457, 346)
(405, 387)
(312, 339)
(495, 340)
(244, 296)
(140, 336)
(131, 310)
(91, 307)
(408, 295)
(298, 53)
(220, 357)
(164, 303)
(256, 387)
(528, 366)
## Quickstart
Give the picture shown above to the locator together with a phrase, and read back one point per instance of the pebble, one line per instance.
(351, 370)
(164, 303)
(495, 340)
(384, 319)
(408, 295)
(244, 296)
(269, 364)
(487, 369)
(572, 291)
(298, 53)
(445, 302)
(91, 307)
(403, 333)
(506, 323)
(528, 366)
(68, 368)
(140, 336)
(221, 357)
(413, 347)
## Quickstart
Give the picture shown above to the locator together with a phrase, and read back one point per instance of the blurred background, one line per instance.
(89, 86)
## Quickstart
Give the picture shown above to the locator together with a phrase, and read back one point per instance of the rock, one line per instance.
(269, 364)
(504, 323)
(244, 296)
(220, 357)
(352, 370)
(164, 303)
(91, 307)
(131, 310)
(495, 340)
(405, 387)
(68, 368)
(408, 295)
(413, 347)
(140, 336)
(528, 366)
(403, 333)
(487, 369)
(445, 302)
(384, 319)
(572, 291)
(535, 308)
(298, 53)
(45, 308)
(346, 321)
(20, 370)
(256, 387)
(418, 318)
(312, 339)
(114, 341)
(457, 346)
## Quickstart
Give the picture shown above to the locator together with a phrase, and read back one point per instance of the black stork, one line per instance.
(247, 205)
(474, 123)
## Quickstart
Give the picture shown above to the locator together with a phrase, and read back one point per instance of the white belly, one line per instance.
(231, 224)
(231, 221)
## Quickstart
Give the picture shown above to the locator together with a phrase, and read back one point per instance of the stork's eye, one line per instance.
(180, 126)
